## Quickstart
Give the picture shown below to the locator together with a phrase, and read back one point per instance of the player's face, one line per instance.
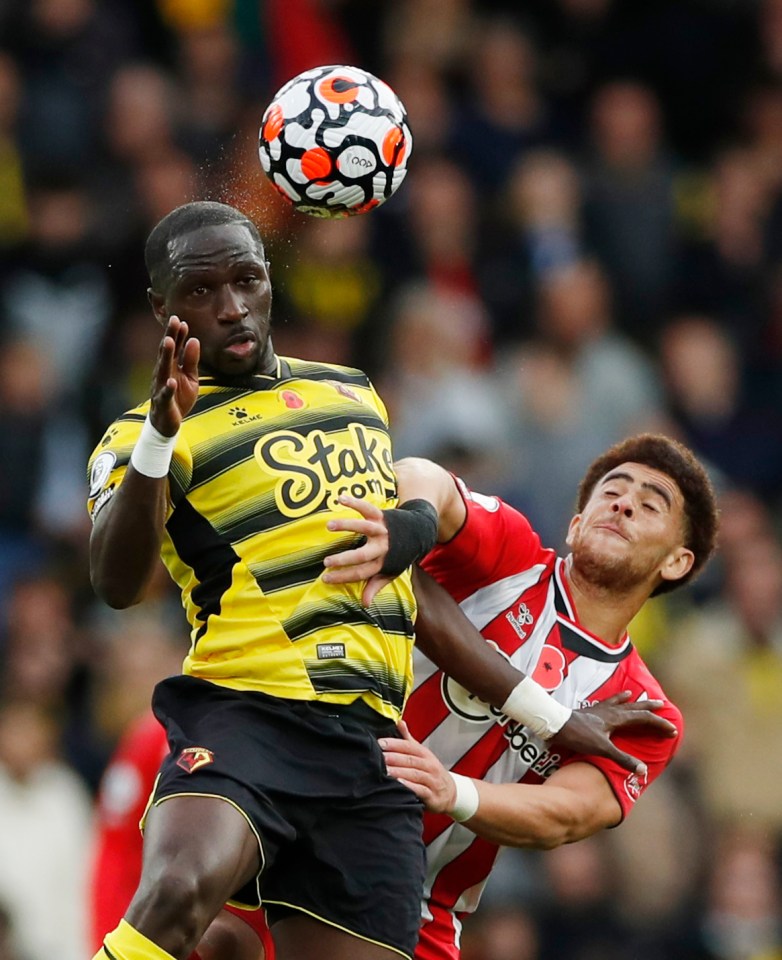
(630, 533)
(220, 287)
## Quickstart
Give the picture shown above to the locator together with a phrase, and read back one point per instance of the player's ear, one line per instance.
(677, 564)
(158, 304)
(571, 530)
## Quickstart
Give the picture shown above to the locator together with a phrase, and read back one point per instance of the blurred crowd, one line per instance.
(588, 244)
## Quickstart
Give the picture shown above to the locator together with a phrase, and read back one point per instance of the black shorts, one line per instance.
(339, 838)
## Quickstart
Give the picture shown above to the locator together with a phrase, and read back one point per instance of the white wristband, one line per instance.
(467, 798)
(153, 452)
(531, 706)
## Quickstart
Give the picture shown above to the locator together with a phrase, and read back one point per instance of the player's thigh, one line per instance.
(300, 936)
(203, 838)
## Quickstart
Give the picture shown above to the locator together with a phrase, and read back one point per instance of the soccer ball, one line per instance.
(335, 141)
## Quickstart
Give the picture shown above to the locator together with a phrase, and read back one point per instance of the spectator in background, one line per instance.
(13, 201)
(421, 86)
(575, 389)
(501, 933)
(331, 290)
(443, 223)
(720, 272)
(578, 890)
(744, 900)
(710, 402)
(44, 664)
(504, 113)
(735, 641)
(67, 51)
(139, 128)
(45, 811)
(409, 36)
(25, 392)
(540, 232)
(629, 203)
(58, 296)
(209, 63)
(440, 395)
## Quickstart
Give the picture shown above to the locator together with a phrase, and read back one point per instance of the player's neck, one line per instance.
(602, 611)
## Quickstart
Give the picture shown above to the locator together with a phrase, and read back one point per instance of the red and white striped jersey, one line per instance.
(515, 592)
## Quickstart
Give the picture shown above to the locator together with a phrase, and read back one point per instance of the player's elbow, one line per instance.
(570, 826)
(113, 591)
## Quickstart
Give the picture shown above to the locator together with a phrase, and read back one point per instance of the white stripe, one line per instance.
(485, 604)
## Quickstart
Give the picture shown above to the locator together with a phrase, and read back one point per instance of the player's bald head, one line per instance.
(183, 220)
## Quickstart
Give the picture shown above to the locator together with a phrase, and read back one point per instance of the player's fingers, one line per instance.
(645, 718)
(403, 728)
(626, 760)
(372, 589)
(367, 528)
(617, 698)
(367, 552)
(351, 574)
(367, 509)
(191, 354)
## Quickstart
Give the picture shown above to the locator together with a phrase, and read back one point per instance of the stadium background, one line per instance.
(588, 243)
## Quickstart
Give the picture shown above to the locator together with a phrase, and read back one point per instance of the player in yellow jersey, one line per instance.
(275, 784)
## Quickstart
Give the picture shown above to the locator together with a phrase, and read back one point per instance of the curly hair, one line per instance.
(183, 220)
(701, 514)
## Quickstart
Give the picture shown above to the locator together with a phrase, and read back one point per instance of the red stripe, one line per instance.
(437, 937)
(470, 867)
(474, 763)
(426, 709)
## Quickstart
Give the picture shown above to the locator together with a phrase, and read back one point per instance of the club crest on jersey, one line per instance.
(634, 786)
(520, 620)
(193, 758)
(344, 390)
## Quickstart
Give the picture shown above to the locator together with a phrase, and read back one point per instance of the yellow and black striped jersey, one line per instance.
(256, 473)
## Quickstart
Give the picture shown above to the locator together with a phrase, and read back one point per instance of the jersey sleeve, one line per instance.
(495, 542)
(109, 461)
(378, 404)
(655, 750)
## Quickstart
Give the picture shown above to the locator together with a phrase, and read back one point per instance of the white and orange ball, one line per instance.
(335, 141)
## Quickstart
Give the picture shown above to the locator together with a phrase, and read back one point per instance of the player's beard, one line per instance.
(610, 573)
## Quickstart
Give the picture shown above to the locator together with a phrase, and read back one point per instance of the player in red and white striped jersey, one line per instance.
(646, 523)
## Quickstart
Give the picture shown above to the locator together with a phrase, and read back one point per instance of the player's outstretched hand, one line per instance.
(418, 768)
(589, 729)
(175, 378)
(366, 561)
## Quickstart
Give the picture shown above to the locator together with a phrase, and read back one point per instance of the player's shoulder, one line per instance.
(121, 434)
(317, 370)
(639, 675)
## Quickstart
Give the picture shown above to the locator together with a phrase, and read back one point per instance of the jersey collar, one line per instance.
(253, 381)
(575, 637)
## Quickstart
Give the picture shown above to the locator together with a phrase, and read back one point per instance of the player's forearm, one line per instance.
(536, 816)
(126, 538)
(450, 641)
(422, 479)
